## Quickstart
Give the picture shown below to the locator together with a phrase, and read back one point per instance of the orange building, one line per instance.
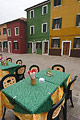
(65, 28)
(3, 38)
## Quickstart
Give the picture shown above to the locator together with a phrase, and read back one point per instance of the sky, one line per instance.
(13, 9)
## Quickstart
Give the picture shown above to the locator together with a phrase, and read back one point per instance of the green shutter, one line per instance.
(41, 45)
(74, 45)
(60, 21)
(77, 17)
(59, 43)
(54, 2)
(52, 42)
(53, 24)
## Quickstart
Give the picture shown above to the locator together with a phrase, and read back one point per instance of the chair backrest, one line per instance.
(71, 84)
(20, 72)
(19, 62)
(8, 80)
(58, 67)
(35, 67)
(55, 110)
(9, 59)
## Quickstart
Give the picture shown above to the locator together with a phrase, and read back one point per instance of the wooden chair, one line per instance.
(58, 67)
(9, 59)
(36, 67)
(54, 112)
(7, 81)
(69, 90)
(19, 62)
(20, 72)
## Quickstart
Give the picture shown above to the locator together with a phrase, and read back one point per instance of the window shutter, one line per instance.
(77, 17)
(74, 45)
(60, 21)
(53, 24)
(54, 2)
(52, 42)
(59, 43)
(36, 45)
(41, 45)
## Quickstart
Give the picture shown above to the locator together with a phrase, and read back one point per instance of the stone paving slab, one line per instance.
(72, 66)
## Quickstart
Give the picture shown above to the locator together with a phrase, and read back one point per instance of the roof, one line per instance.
(40, 4)
(19, 19)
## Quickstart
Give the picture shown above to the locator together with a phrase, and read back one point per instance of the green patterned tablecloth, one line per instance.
(31, 99)
(56, 78)
(11, 67)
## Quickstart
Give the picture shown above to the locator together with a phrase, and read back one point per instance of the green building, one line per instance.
(38, 27)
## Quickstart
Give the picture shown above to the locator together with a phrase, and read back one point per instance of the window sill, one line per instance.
(15, 49)
(57, 6)
(77, 48)
(77, 26)
(55, 48)
(56, 29)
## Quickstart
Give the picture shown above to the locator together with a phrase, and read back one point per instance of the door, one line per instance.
(66, 47)
(46, 47)
(34, 47)
(9, 47)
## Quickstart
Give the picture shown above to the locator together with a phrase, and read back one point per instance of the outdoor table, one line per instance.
(31, 102)
(11, 67)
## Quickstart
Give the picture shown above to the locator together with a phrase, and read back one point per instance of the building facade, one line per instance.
(3, 38)
(16, 31)
(65, 28)
(38, 28)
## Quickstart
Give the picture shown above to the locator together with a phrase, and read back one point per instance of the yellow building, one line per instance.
(3, 38)
(65, 28)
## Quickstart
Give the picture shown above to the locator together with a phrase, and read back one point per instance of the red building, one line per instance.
(16, 31)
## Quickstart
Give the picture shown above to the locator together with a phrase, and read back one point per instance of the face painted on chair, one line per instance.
(19, 62)
(21, 70)
(58, 69)
(9, 81)
(9, 60)
(34, 68)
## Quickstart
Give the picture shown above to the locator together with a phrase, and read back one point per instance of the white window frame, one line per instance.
(15, 42)
(15, 31)
(42, 27)
(30, 29)
(46, 9)
(79, 22)
(5, 41)
(55, 19)
(30, 14)
(8, 31)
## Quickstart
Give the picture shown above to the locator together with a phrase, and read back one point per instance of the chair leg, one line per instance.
(72, 105)
(4, 112)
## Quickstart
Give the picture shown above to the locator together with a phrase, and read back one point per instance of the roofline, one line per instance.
(18, 19)
(37, 5)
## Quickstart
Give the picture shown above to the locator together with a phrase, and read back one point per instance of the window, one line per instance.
(55, 43)
(30, 45)
(32, 30)
(44, 10)
(44, 27)
(57, 2)
(16, 31)
(4, 31)
(5, 44)
(78, 20)
(39, 45)
(9, 32)
(15, 45)
(32, 14)
(57, 23)
(76, 43)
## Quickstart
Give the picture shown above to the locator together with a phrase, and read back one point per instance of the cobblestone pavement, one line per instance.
(72, 66)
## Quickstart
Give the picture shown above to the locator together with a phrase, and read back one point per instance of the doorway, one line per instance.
(9, 47)
(66, 48)
(45, 47)
(34, 47)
